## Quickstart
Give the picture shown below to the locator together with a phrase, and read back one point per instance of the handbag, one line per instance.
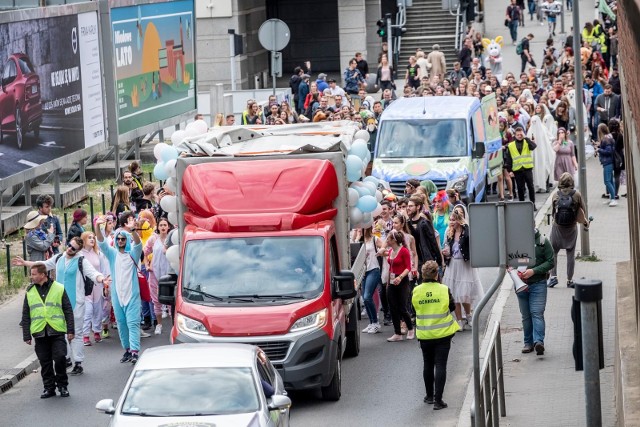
(143, 283)
(88, 283)
(506, 22)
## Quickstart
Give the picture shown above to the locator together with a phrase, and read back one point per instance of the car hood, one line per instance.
(237, 420)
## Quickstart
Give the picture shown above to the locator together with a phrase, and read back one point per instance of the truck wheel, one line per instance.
(352, 348)
(334, 390)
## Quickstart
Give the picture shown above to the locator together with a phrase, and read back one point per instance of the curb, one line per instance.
(502, 295)
(20, 372)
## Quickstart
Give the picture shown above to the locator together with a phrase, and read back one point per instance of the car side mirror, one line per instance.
(344, 285)
(106, 406)
(478, 150)
(167, 289)
(278, 402)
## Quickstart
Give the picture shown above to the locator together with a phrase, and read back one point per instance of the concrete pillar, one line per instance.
(352, 31)
(374, 42)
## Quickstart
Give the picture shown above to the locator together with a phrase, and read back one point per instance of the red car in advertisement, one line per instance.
(20, 106)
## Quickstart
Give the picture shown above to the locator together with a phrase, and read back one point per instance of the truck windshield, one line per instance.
(254, 267)
(422, 138)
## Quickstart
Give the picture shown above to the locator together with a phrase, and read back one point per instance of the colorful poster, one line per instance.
(490, 118)
(51, 97)
(153, 48)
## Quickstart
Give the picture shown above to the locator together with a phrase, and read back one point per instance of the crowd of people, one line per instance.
(102, 280)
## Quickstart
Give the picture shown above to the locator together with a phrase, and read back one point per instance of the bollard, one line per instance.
(150, 176)
(589, 294)
(104, 205)
(24, 253)
(66, 224)
(8, 249)
(548, 219)
(111, 189)
(91, 211)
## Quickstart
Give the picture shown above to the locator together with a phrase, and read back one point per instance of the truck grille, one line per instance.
(275, 350)
(397, 187)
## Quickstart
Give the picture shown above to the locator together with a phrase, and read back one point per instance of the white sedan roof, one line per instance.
(211, 355)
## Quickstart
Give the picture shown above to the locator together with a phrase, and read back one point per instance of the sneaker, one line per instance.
(374, 328)
(105, 334)
(527, 349)
(97, 337)
(115, 325)
(134, 358)
(606, 202)
(126, 357)
(467, 323)
(461, 324)
(539, 347)
(77, 370)
(144, 334)
(68, 362)
(86, 342)
(570, 284)
(367, 329)
(553, 280)
(158, 330)
(387, 321)
(63, 391)
(363, 312)
(47, 393)
(605, 196)
(411, 334)
(395, 338)
(165, 312)
(613, 203)
(439, 404)
(428, 399)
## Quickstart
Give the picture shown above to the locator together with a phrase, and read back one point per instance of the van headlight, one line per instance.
(313, 321)
(460, 183)
(188, 324)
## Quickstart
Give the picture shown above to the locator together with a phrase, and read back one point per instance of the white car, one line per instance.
(204, 385)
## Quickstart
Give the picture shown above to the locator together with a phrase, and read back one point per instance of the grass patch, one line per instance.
(589, 258)
(18, 278)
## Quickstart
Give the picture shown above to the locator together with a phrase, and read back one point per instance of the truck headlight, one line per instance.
(460, 183)
(313, 321)
(187, 324)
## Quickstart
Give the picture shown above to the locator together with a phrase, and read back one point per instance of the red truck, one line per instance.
(265, 256)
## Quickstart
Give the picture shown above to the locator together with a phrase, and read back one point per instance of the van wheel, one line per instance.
(19, 135)
(352, 348)
(333, 391)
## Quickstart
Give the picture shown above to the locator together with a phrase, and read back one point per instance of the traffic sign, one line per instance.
(274, 35)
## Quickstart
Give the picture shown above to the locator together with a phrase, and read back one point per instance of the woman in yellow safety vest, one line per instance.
(435, 326)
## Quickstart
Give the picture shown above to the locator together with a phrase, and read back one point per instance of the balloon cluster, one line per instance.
(173, 253)
(167, 154)
(364, 195)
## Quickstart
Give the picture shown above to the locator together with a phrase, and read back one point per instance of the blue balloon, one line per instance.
(360, 188)
(159, 172)
(367, 204)
(371, 179)
(169, 153)
(359, 148)
(354, 168)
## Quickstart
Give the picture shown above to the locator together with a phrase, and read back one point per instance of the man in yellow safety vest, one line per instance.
(519, 162)
(435, 326)
(47, 316)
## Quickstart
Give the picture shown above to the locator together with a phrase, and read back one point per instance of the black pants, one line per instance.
(52, 352)
(434, 356)
(384, 302)
(616, 180)
(525, 60)
(397, 296)
(524, 179)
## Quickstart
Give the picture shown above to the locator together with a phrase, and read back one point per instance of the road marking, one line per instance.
(28, 163)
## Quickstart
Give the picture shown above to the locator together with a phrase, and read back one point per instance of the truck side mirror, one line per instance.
(344, 285)
(478, 150)
(167, 289)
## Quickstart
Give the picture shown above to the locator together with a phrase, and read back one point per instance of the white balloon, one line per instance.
(190, 131)
(171, 184)
(355, 215)
(170, 168)
(168, 204)
(377, 211)
(177, 137)
(201, 126)
(172, 217)
(371, 187)
(158, 149)
(362, 134)
(368, 224)
(378, 196)
(367, 218)
(371, 179)
(175, 237)
(173, 256)
(353, 197)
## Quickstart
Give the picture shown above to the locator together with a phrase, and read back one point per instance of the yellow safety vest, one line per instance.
(433, 319)
(522, 160)
(49, 311)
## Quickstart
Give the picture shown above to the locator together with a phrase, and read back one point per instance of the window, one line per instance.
(422, 138)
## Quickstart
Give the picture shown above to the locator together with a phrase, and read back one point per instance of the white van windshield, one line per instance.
(422, 138)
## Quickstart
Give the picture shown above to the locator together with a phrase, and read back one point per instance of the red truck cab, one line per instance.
(265, 260)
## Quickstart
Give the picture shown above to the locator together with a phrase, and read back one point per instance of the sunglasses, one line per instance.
(121, 238)
(73, 249)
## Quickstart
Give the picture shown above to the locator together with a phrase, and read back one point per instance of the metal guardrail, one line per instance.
(492, 398)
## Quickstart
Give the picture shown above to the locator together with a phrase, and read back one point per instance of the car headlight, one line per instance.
(460, 183)
(189, 325)
(313, 321)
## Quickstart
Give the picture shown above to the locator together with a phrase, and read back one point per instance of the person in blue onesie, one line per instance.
(125, 290)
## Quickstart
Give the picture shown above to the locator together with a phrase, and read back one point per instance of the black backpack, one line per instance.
(88, 283)
(565, 212)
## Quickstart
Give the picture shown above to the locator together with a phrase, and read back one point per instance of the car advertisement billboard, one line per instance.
(154, 61)
(51, 94)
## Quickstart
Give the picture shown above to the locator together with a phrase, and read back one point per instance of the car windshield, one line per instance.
(422, 138)
(191, 392)
(253, 267)
(25, 66)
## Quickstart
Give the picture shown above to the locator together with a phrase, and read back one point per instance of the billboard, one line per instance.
(51, 93)
(154, 61)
